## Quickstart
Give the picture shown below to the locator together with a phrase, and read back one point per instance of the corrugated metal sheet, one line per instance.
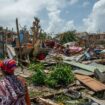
(91, 83)
(86, 67)
(83, 72)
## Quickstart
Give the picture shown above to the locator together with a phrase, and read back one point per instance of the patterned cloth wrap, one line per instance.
(12, 91)
(7, 66)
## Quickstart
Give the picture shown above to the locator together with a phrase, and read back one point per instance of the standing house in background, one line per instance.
(6, 37)
(1, 43)
(96, 38)
(88, 39)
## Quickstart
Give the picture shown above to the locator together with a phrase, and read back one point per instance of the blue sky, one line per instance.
(78, 11)
(55, 15)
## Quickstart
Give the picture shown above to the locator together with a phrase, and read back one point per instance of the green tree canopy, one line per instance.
(66, 37)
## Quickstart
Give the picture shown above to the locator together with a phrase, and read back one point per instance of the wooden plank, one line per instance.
(85, 67)
(91, 83)
(46, 101)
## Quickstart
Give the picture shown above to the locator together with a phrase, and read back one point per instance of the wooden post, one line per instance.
(6, 40)
(3, 44)
(33, 35)
(17, 26)
(12, 34)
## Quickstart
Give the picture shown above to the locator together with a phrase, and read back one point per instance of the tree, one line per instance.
(68, 36)
(43, 35)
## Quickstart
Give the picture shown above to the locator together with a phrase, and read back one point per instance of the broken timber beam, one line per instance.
(91, 83)
(100, 102)
(43, 101)
(62, 91)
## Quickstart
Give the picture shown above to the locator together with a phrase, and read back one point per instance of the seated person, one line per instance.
(13, 90)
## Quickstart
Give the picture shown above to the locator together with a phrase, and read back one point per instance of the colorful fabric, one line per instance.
(41, 56)
(50, 44)
(75, 49)
(7, 66)
(12, 91)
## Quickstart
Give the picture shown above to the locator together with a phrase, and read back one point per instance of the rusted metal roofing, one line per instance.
(91, 83)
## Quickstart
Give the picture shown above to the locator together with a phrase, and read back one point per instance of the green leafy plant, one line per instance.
(51, 82)
(61, 75)
(39, 77)
(35, 67)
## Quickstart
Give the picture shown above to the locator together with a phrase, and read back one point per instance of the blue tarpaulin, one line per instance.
(21, 37)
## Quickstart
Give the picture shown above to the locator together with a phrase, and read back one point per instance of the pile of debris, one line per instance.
(87, 63)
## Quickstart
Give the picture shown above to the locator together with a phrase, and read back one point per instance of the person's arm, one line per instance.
(27, 98)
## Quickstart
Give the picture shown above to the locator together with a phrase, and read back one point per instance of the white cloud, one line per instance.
(56, 24)
(96, 22)
(55, 21)
(25, 10)
(69, 26)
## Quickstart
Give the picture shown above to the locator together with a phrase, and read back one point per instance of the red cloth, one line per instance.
(41, 56)
(1, 63)
(7, 66)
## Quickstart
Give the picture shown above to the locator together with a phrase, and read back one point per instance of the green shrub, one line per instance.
(63, 74)
(51, 82)
(39, 77)
(37, 66)
(68, 36)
